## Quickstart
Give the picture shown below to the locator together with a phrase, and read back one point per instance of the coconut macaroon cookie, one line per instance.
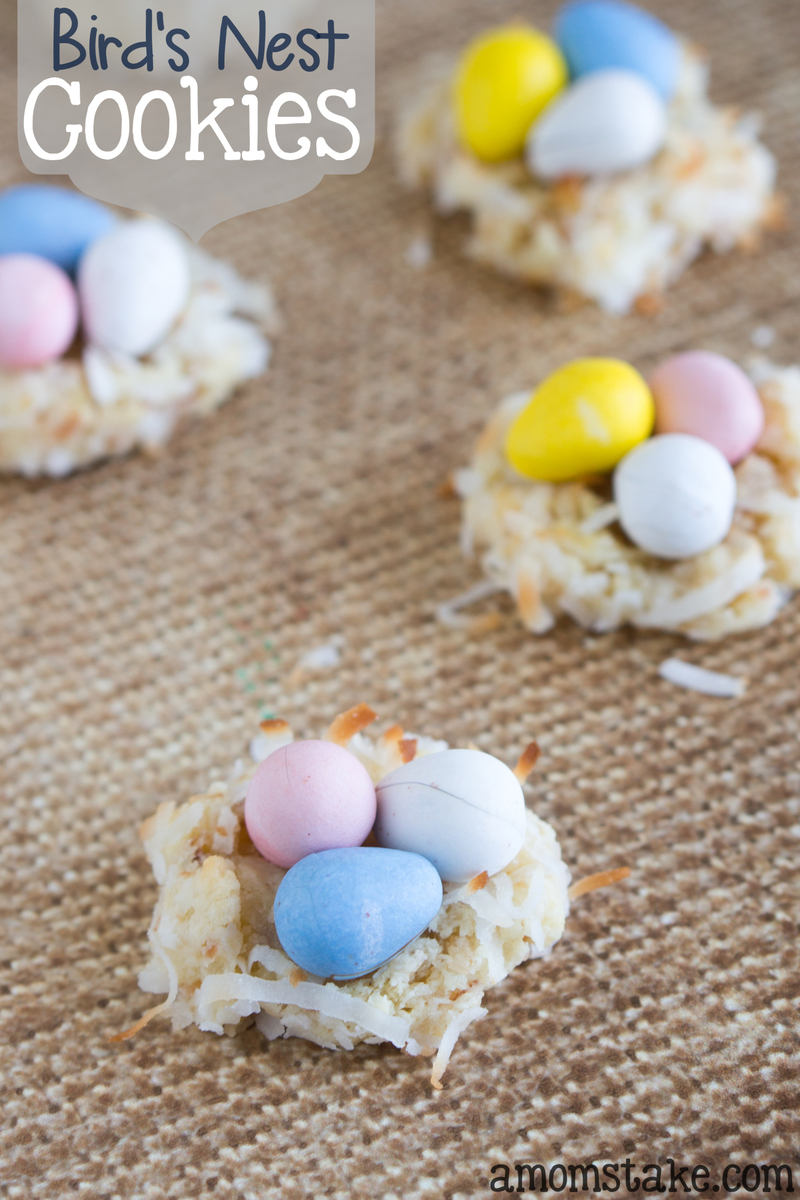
(391, 941)
(164, 331)
(592, 161)
(672, 505)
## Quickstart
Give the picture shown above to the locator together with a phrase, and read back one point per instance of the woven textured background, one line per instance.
(152, 611)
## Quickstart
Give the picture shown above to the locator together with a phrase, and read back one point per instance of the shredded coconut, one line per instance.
(448, 613)
(420, 253)
(322, 657)
(699, 679)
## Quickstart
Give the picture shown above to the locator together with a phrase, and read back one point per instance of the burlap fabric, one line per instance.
(152, 611)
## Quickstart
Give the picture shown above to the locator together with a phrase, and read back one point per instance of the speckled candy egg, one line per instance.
(581, 420)
(608, 121)
(597, 34)
(710, 397)
(344, 913)
(133, 284)
(503, 81)
(461, 809)
(676, 495)
(38, 311)
(53, 222)
(306, 797)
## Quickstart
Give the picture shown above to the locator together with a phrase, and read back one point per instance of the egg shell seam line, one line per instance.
(441, 791)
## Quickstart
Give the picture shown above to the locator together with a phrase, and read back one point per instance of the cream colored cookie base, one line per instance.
(216, 952)
(614, 239)
(73, 412)
(557, 548)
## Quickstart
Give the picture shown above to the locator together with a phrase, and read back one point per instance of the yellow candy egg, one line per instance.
(582, 420)
(504, 80)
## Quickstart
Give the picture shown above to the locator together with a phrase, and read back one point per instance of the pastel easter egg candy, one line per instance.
(53, 222)
(344, 913)
(503, 81)
(676, 495)
(710, 397)
(461, 809)
(38, 311)
(597, 34)
(608, 121)
(306, 797)
(133, 285)
(581, 421)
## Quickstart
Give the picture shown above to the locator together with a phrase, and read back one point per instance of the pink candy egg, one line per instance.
(306, 797)
(38, 311)
(706, 395)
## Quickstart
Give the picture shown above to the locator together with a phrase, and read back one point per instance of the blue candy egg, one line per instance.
(51, 222)
(343, 913)
(595, 35)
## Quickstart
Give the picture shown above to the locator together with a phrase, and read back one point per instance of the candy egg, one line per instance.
(608, 121)
(133, 284)
(344, 913)
(462, 809)
(581, 420)
(676, 495)
(596, 34)
(710, 397)
(52, 222)
(306, 797)
(38, 311)
(503, 81)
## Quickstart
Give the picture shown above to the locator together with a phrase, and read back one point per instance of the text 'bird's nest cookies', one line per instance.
(112, 331)
(593, 162)
(395, 940)
(575, 509)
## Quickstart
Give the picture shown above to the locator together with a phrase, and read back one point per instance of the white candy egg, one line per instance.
(676, 495)
(461, 809)
(133, 283)
(608, 121)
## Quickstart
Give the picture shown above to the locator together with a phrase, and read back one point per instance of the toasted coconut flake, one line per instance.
(699, 679)
(349, 723)
(602, 879)
(529, 598)
(393, 735)
(298, 976)
(408, 749)
(448, 490)
(477, 884)
(275, 727)
(527, 761)
(484, 624)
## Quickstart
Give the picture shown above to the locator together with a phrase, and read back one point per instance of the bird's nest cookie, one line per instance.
(80, 409)
(618, 240)
(216, 953)
(557, 547)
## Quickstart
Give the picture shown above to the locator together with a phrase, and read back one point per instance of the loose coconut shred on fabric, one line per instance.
(216, 953)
